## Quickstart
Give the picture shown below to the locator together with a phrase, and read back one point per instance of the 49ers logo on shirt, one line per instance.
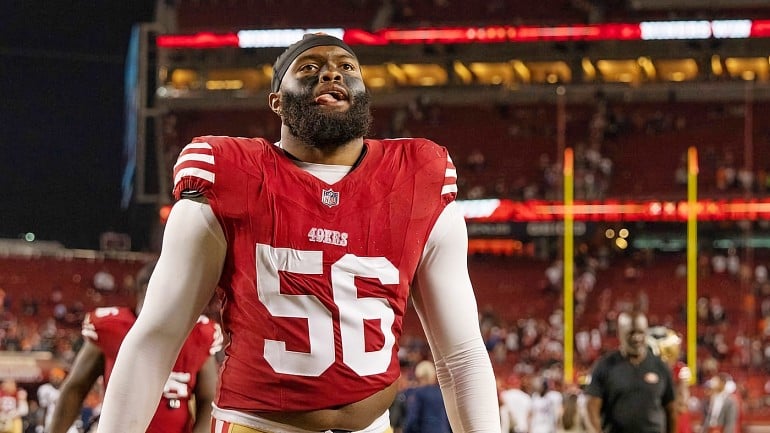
(325, 236)
(330, 197)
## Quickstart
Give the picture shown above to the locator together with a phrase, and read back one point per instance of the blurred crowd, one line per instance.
(527, 351)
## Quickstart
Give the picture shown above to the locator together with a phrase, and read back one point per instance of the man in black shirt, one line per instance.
(631, 390)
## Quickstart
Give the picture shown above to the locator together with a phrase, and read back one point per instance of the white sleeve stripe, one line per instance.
(449, 158)
(90, 333)
(194, 172)
(202, 157)
(202, 145)
(451, 172)
(447, 189)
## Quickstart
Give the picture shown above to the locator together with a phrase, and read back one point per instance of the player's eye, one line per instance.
(308, 67)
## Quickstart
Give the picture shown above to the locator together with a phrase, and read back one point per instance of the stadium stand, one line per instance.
(626, 148)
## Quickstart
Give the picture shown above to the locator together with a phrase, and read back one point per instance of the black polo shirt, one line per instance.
(633, 396)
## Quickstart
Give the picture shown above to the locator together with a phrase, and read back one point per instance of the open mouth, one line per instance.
(331, 97)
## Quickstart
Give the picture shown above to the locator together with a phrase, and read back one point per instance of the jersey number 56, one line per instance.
(353, 311)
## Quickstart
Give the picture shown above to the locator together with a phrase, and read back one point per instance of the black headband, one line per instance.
(307, 42)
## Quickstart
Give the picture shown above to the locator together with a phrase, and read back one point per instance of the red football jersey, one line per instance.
(682, 375)
(107, 327)
(317, 276)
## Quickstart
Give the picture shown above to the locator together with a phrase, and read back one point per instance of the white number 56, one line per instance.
(353, 311)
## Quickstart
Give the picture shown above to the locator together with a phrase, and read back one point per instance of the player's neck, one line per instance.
(345, 154)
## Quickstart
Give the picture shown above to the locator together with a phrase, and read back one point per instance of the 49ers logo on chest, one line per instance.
(330, 198)
(326, 236)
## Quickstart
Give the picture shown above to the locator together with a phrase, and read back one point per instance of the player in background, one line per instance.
(48, 394)
(515, 404)
(185, 403)
(317, 243)
(667, 344)
(425, 408)
(13, 406)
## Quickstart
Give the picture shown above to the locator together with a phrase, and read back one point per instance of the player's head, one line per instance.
(142, 280)
(540, 385)
(632, 333)
(8, 386)
(319, 92)
(720, 382)
(665, 343)
(425, 372)
(56, 376)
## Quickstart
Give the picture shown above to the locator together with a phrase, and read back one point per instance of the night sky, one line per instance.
(61, 117)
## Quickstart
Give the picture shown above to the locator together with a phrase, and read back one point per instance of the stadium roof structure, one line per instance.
(691, 59)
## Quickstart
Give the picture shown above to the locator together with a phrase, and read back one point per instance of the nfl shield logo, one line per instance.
(330, 198)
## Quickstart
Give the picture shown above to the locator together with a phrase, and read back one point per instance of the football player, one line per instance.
(667, 344)
(188, 389)
(317, 242)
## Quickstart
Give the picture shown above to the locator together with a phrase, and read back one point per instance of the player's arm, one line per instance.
(682, 395)
(22, 403)
(205, 390)
(444, 300)
(671, 414)
(182, 283)
(594, 407)
(88, 366)
(731, 416)
(669, 400)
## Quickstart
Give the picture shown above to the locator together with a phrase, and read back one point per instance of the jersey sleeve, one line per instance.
(194, 169)
(212, 333)
(88, 329)
(595, 386)
(683, 374)
(449, 190)
(106, 327)
(101, 322)
(437, 166)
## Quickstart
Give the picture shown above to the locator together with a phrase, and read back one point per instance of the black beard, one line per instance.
(325, 130)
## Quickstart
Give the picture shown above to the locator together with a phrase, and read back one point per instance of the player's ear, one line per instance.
(274, 102)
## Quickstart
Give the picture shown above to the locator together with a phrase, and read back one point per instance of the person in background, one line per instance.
(34, 421)
(667, 344)
(515, 404)
(630, 389)
(722, 412)
(425, 412)
(570, 416)
(397, 410)
(317, 243)
(545, 412)
(13, 406)
(48, 394)
(185, 400)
